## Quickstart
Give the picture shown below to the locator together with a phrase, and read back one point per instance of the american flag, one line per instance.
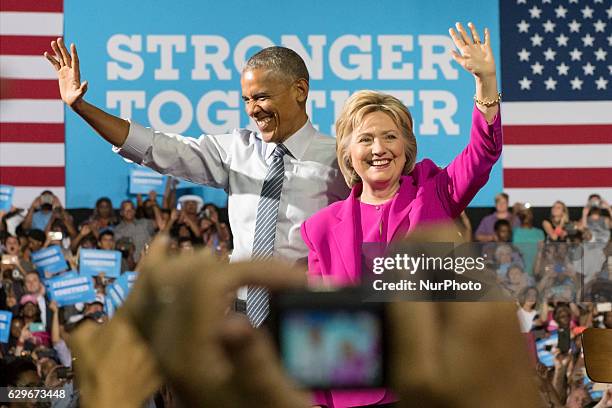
(557, 91)
(31, 113)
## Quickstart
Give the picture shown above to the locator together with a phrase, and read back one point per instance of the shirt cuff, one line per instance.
(137, 143)
(493, 130)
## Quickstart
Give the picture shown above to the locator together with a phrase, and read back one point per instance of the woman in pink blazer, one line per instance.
(391, 193)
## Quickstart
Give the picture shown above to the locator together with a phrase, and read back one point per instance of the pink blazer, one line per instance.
(428, 194)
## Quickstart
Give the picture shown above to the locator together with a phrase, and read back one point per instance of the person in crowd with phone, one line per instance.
(276, 177)
(33, 331)
(33, 290)
(12, 259)
(41, 210)
(594, 227)
(556, 225)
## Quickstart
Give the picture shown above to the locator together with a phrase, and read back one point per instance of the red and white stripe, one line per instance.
(557, 151)
(31, 113)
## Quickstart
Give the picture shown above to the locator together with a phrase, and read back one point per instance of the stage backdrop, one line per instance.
(176, 67)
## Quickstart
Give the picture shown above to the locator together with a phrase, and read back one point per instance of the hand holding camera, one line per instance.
(211, 369)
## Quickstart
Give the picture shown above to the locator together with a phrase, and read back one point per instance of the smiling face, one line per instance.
(128, 212)
(501, 204)
(377, 151)
(276, 104)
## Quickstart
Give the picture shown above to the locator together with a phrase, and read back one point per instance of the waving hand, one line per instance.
(68, 72)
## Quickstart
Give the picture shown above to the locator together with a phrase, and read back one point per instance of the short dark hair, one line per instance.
(104, 200)
(37, 235)
(500, 223)
(106, 232)
(126, 202)
(281, 60)
(16, 367)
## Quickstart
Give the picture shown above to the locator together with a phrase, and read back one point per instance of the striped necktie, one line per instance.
(257, 303)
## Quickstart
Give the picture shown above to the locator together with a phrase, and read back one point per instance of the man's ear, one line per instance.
(301, 88)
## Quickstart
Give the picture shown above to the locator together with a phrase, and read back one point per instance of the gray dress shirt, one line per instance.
(238, 162)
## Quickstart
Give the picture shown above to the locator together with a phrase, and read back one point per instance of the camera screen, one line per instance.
(332, 348)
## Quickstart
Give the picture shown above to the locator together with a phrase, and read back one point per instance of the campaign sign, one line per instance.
(5, 325)
(544, 348)
(95, 261)
(109, 308)
(63, 275)
(49, 260)
(71, 289)
(143, 180)
(120, 289)
(185, 77)
(6, 197)
(116, 293)
(131, 278)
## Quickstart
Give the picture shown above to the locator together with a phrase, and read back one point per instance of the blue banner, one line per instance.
(6, 197)
(181, 74)
(120, 289)
(131, 278)
(143, 180)
(69, 289)
(49, 260)
(92, 262)
(544, 348)
(5, 325)
(109, 307)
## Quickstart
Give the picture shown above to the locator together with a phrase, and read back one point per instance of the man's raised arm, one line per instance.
(113, 129)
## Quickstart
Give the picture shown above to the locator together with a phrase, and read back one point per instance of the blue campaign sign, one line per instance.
(109, 308)
(121, 288)
(179, 71)
(5, 325)
(131, 278)
(6, 197)
(49, 260)
(143, 180)
(544, 349)
(69, 289)
(116, 293)
(92, 262)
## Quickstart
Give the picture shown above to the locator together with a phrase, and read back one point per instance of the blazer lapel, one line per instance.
(400, 208)
(345, 236)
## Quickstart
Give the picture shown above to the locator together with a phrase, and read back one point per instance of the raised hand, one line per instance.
(474, 56)
(68, 72)
(85, 230)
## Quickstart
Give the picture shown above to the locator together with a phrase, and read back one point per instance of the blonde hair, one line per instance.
(355, 109)
(564, 218)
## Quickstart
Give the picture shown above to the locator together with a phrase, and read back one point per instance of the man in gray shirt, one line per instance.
(139, 231)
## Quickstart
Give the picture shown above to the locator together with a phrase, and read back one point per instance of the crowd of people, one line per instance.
(39, 327)
(560, 276)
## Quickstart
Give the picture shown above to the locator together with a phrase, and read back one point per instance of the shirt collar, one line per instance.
(297, 143)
